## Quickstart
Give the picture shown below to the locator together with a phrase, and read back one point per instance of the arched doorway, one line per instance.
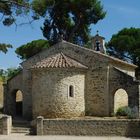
(18, 103)
(120, 99)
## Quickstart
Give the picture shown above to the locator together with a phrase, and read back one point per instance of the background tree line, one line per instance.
(9, 73)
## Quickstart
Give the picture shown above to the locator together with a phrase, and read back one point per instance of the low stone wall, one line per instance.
(5, 125)
(0, 125)
(90, 127)
(1, 95)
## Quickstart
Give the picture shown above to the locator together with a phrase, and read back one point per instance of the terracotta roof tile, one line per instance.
(58, 61)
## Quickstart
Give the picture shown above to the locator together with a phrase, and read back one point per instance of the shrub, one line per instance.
(124, 111)
(130, 113)
(134, 113)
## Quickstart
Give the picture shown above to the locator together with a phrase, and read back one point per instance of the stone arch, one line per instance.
(120, 99)
(17, 102)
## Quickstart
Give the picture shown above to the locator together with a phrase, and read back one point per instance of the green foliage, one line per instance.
(1, 79)
(28, 50)
(40, 6)
(9, 73)
(72, 18)
(130, 113)
(4, 47)
(2, 75)
(125, 45)
(123, 111)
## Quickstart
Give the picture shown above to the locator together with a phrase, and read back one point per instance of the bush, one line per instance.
(124, 111)
(134, 113)
(130, 113)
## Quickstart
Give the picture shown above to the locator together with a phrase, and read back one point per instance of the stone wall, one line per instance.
(0, 125)
(90, 127)
(19, 82)
(5, 124)
(27, 92)
(50, 93)
(1, 95)
(120, 80)
(10, 90)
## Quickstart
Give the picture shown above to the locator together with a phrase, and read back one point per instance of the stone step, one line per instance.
(27, 131)
(18, 127)
(18, 134)
(22, 127)
(19, 123)
(22, 130)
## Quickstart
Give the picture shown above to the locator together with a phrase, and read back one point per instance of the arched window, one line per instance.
(19, 97)
(71, 91)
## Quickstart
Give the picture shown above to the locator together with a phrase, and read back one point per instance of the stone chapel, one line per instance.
(67, 80)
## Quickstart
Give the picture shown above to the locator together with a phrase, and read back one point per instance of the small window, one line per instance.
(71, 91)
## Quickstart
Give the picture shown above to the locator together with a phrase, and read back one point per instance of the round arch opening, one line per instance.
(120, 99)
(19, 103)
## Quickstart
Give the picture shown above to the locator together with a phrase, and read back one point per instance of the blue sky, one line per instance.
(120, 14)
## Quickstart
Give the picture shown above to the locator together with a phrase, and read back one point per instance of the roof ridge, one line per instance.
(58, 60)
(65, 57)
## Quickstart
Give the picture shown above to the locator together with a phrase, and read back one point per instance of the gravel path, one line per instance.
(21, 137)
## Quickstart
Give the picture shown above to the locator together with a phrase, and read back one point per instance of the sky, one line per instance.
(120, 14)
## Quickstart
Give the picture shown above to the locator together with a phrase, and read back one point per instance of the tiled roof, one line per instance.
(58, 61)
(112, 60)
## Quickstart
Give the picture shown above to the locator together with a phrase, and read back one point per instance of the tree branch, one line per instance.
(2, 17)
(16, 3)
(74, 29)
